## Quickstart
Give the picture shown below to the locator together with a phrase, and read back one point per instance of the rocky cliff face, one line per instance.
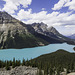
(53, 30)
(52, 33)
(39, 27)
(43, 29)
(9, 24)
(4, 16)
(16, 34)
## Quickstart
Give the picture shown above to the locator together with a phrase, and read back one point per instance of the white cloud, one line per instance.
(56, 19)
(71, 5)
(43, 9)
(60, 4)
(0, 9)
(64, 3)
(31, 17)
(51, 19)
(66, 30)
(12, 5)
(70, 26)
(24, 14)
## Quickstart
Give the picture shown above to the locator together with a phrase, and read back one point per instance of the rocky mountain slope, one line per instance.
(51, 32)
(16, 34)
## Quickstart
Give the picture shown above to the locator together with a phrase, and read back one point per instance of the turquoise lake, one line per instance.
(28, 53)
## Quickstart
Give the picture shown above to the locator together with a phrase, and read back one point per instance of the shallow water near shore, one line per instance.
(28, 53)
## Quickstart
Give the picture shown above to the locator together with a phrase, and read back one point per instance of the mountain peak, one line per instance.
(39, 27)
(4, 16)
(39, 24)
(53, 30)
(43, 24)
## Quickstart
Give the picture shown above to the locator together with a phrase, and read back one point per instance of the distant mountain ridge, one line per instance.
(72, 36)
(16, 34)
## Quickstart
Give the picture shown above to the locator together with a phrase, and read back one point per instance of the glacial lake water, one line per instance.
(28, 53)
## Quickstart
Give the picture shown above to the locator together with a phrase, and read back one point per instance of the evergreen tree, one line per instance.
(7, 66)
(68, 68)
(13, 63)
(46, 70)
(50, 71)
(40, 72)
(27, 63)
(0, 64)
(17, 63)
(74, 67)
(10, 63)
(23, 62)
(71, 66)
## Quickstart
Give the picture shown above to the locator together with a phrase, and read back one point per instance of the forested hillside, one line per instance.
(53, 63)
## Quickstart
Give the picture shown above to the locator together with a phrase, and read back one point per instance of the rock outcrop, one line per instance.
(16, 34)
(21, 70)
(52, 33)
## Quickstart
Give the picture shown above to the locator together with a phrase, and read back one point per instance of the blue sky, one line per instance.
(57, 13)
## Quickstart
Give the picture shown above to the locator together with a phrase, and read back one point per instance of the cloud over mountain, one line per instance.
(12, 5)
(23, 10)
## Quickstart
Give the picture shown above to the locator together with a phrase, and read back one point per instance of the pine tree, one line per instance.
(50, 71)
(23, 62)
(7, 66)
(0, 64)
(10, 63)
(74, 67)
(27, 63)
(68, 68)
(71, 66)
(40, 72)
(46, 70)
(13, 63)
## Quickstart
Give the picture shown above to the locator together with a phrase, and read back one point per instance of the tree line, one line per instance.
(48, 64)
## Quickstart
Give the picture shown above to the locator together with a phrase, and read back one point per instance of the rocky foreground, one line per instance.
(21, 70)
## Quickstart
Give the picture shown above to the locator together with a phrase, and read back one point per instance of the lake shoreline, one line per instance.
(28, 53)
